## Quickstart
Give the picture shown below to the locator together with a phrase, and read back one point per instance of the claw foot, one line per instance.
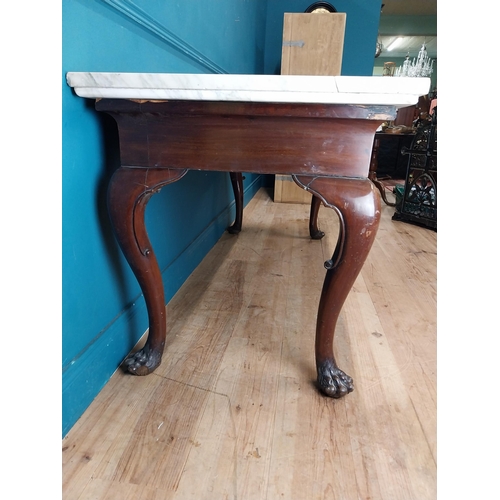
(332, 381)
(316, 234)
(234, 229)
(142, 362)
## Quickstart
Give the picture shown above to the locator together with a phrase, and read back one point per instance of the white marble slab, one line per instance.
(399, 92)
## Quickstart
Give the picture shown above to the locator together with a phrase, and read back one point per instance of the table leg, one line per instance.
(314, 231)
(237, 182)
(128, 194)
(373, 172)
(357, 204)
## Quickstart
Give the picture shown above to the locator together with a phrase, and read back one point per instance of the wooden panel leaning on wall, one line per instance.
(312, 45)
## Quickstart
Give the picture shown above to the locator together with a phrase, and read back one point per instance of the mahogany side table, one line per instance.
(319, 129)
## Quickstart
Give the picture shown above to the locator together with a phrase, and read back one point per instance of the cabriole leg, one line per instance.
(237, 183)
(128, 194)
(357, 204)
(314, 231)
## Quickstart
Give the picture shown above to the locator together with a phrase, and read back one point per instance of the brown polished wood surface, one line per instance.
(302, 139)
(326, 147)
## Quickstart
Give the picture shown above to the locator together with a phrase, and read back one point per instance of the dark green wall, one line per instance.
(408, 25)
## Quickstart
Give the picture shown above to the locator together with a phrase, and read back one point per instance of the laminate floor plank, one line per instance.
(233, 412)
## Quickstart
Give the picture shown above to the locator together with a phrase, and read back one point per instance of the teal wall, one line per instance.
(104, 314)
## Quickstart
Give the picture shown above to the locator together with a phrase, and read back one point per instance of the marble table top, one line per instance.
(358, 90)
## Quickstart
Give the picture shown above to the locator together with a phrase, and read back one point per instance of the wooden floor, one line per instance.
(233, 411)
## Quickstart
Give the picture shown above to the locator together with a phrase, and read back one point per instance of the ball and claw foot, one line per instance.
(333, 382)
(142, 362)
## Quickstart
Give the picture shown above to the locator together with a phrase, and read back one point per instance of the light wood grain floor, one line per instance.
(233, 412)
